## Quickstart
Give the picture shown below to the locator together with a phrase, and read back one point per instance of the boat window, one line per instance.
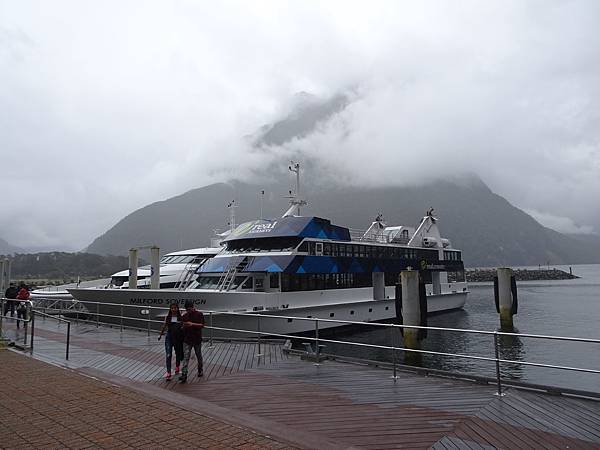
(259, 284)
(274, 244)
(327, 249)
(206, 282)
(247, 283)
(319, 248)
(274, 281)
(303, 247)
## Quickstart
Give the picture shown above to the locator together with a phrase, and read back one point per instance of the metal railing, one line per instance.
(260, 331)
(30, 315)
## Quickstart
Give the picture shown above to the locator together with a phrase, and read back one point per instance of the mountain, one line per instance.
(489, 230)
(6, 248)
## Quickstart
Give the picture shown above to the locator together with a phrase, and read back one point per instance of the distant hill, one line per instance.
(64, 266)
(488, 229)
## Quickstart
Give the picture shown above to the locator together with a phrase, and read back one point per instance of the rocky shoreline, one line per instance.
(483, 275)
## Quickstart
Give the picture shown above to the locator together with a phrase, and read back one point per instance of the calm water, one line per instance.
(559, 308)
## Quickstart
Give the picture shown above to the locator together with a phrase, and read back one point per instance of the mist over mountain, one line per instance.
(6, 248)
(488, 229)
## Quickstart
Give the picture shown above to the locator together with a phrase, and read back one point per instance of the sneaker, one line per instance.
(176, 370)
(168, 376)
(183, 378)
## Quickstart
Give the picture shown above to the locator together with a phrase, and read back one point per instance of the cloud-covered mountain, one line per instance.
(488, 229)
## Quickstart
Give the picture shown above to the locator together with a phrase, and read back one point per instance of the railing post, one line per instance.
(258, 338)
(32, 330)
(97, 314)
(121, 318)
(393, 339)
(499, 392)
(210, 330)
(68, 339)
(25, 323)
(317, 347)
(1, 314)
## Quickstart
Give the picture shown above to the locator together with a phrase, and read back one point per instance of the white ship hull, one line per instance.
(337, 304)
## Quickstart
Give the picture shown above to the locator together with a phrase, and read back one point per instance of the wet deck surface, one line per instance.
(334, 405)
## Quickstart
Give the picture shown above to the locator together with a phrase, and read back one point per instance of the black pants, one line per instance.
(21, 314)
(9, 304)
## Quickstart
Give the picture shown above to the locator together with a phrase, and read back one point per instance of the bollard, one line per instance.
(97, 315)
(154, 267)
(505, 297)
(121, 318)
(133, 268)
(378, 279)
(414, 312)
(68, 339)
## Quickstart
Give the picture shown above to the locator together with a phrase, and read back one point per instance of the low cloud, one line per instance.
(107, 107)
(560, 224)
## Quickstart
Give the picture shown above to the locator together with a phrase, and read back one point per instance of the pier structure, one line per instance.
(281, 398)
(505, 296)
(4, 275)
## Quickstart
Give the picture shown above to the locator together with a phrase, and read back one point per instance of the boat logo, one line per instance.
(262, 227)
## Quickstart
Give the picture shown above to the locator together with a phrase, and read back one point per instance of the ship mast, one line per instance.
(295, 200)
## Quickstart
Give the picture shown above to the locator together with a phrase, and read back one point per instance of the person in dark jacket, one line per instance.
(193, 322)
(174, 340)
(22, 295)
(10, 293)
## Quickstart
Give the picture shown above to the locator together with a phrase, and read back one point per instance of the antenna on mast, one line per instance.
(232, 207)
(262, 198)
(295, 201)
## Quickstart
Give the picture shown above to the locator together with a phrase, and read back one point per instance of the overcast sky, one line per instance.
(108, 106)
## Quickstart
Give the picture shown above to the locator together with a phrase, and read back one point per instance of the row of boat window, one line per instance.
(181, 259)
(323, 281)
(279, 244)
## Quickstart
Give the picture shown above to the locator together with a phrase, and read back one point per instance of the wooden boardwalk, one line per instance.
(338, 405)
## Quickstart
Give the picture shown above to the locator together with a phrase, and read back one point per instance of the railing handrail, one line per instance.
(259, 315)
(348, 322)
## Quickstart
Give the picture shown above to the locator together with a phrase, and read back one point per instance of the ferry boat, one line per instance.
(305, 267)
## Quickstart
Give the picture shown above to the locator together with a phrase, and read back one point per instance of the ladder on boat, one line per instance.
(228, 277)
(186, 277)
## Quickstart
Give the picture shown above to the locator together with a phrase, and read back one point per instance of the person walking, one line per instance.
(11, 293)
(23, 295)
(174, 340)
(193, 322)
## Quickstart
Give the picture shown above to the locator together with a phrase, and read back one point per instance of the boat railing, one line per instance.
(257, 326)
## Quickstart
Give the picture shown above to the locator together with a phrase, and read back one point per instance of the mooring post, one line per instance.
(505, 296)
(378, 279)
(68, 340)
(133, 268)
(411, 314)
(97, 314)
(258, 339)
(154, 267)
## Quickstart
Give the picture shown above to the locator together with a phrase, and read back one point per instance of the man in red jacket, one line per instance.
(193, 322)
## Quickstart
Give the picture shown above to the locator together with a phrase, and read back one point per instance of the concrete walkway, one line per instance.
(47, 407)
